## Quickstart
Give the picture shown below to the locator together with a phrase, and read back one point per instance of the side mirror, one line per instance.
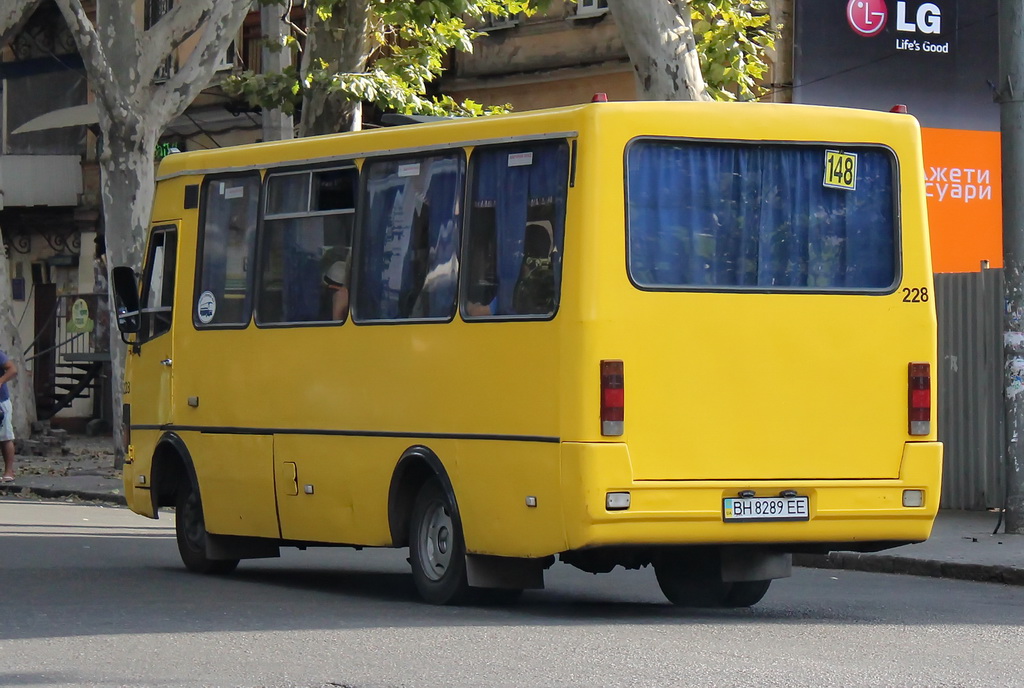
(126, 299)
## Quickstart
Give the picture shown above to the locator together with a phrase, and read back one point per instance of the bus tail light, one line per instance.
(613, 396)
(920, 404)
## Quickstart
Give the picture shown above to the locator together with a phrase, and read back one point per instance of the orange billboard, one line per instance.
(964, 186)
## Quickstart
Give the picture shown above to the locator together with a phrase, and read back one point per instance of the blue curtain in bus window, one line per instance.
(522, 184)
(384, 190)
(302, 273)
(760, 217)
(443, 197)
(410, 239)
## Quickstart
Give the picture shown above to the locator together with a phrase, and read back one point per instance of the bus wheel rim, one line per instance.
(436, 542)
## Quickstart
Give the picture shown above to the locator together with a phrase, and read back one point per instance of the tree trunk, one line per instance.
(127, 185)
(21, 388)
(133, 111)
(658, 35)
(277, 126)
(342, 41)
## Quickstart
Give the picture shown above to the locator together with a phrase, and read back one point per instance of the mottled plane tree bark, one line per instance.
(697, 49)
(121, 60)
(13, 14)
(658, 35)
(341, 42)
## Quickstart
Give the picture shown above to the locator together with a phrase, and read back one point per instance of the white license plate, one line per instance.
(765, 509)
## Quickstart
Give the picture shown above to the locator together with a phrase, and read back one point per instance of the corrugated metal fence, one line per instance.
(970, 384)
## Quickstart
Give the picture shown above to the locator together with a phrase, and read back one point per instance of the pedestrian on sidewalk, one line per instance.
(7, 372)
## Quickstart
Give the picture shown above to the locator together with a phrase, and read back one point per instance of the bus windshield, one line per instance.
(760, 216)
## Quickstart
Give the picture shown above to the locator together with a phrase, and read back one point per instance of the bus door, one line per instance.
(152, 354)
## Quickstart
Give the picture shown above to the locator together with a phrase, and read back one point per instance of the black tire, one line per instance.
(696, 582)
(437, 551)
(684, 589)
(190, 529)
(746, 593)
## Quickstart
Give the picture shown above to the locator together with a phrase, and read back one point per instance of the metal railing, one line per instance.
(70, 354)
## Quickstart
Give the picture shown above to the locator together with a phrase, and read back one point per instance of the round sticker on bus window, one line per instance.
(206, 307)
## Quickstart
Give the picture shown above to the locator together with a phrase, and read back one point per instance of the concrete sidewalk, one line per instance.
(962, 545)
(68, 466)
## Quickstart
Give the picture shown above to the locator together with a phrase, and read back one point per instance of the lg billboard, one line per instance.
(940, 59)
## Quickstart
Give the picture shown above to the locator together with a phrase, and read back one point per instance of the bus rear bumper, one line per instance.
(842, 514)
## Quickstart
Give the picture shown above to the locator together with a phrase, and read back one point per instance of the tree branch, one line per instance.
(220, 28)
(14, 16)
(96, 64)
(171, 30)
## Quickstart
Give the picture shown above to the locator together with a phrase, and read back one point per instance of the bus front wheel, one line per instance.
(190, 529)
(437, 551)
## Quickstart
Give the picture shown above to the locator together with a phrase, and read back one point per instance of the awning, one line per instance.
(79, 115)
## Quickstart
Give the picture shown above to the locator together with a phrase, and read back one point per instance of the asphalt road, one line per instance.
(96, 596)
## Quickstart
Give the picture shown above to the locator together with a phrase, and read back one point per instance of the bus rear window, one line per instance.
(760, 216)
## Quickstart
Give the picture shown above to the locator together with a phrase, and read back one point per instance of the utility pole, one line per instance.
(1011, 116)
(277, 126)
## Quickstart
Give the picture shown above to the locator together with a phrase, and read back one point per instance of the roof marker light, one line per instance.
(599, 98)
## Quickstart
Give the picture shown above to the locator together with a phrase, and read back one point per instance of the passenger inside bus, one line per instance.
(336, 282)
(534, 290)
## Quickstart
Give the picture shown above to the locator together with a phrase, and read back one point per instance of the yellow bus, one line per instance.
(695, 336)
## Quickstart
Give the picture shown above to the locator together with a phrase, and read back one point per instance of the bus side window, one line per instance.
(409, 238)
(307, 239)
(515, 230)
(158, 283)
(227, 246)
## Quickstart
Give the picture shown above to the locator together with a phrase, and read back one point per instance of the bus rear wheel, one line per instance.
(687, 584)
(190, 530)
(437, 551)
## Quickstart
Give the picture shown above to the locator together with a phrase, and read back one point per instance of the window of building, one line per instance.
(707, 215)
(407, 264)
(158, 283)
(494, 22)
(223, 295)
(305, 260)
(585, 8)
(152, 12)
(515, 230)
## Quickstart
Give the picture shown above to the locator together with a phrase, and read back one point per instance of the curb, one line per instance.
(57, 493)
(887, 563)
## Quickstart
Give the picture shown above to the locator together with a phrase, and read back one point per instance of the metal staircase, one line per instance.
(70, 355)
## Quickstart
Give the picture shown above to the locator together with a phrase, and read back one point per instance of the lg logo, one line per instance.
(868, 17)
